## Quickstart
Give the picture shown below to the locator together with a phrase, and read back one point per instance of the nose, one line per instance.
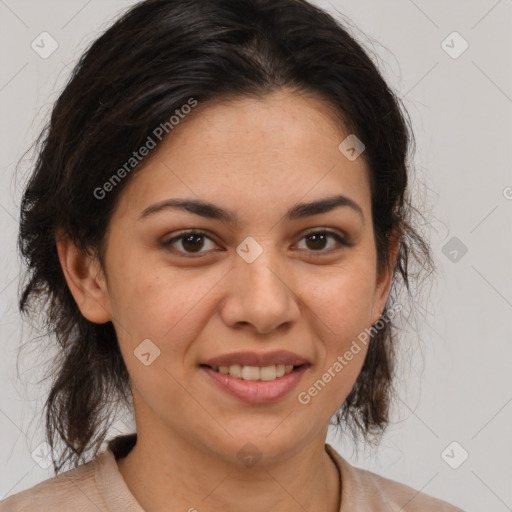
(260, 295)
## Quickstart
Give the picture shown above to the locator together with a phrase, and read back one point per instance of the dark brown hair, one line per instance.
(149, 63)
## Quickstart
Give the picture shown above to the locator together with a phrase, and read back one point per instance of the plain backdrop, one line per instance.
(450, 62)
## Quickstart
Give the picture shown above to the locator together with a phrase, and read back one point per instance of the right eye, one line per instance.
(192, 241)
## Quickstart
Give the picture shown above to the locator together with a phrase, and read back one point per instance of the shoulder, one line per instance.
(370, 491)
(72, 490)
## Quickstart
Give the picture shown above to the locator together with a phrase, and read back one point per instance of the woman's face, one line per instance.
(260, 284)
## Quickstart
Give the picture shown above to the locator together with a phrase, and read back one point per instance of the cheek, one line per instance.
(341, 306)
(341, 311)
(168, 306)
(342, 298)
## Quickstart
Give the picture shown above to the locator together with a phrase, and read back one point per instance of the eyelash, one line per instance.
(341, 241)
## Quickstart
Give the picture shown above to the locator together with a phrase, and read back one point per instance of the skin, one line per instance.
(257, 157)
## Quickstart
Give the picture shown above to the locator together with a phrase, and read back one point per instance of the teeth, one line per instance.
(251, 372)
(235, 370)
(255, 372)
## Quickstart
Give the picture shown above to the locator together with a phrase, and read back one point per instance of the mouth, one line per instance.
(255, 373)
(253, 384)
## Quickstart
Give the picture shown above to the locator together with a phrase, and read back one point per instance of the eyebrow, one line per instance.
(211, 211)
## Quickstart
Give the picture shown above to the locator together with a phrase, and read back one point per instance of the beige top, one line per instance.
(98, 486)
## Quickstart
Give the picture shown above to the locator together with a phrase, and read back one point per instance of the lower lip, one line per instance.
(257, 391)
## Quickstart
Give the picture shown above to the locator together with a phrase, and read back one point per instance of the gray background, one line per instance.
(454, 384)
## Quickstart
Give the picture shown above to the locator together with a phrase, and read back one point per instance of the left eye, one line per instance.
(318, 239)
(193, 241)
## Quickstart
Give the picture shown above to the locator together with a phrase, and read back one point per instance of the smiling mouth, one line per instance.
(255, 373)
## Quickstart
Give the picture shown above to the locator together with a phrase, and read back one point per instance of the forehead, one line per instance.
(252, 153)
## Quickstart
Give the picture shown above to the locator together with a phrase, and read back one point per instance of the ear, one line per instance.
(385, 279)
(85, 280)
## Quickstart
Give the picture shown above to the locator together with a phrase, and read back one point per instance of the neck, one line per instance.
(164, 472)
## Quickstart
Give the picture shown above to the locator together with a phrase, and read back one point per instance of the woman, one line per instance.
(218, 220)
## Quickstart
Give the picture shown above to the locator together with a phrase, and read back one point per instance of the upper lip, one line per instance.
(257, 359)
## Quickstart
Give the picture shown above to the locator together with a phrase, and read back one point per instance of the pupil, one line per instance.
(317, 237)
(189, 240)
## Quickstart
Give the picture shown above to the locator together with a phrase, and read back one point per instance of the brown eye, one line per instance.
(191, 242)
(318, 240)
